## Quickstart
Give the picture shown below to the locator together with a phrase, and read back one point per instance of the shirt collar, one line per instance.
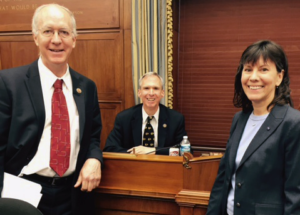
(48, 78)
(145, 115)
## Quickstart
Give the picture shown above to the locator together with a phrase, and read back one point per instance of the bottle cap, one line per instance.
(185, 137)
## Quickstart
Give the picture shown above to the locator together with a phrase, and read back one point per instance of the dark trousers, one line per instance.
(56, 199)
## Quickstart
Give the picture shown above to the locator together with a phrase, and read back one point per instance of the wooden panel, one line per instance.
(16, 15)
(187, 210)
(212, 37)
(17, 51)
(129, 94)
(108, 114)
(120, 205)
(199, 211)
(99, 56)
(209, 168)
(105, 68)
(154, 184)
(153, 175)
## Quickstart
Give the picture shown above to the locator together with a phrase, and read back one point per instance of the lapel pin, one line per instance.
(164, 125)
(268, 128)
(79, 90)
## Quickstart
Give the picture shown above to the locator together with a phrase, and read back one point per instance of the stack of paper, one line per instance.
(22, 189)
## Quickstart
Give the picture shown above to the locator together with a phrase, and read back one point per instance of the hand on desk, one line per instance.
(90, 175)
(141, 150)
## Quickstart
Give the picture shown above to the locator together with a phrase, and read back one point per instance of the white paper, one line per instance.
(22, 189)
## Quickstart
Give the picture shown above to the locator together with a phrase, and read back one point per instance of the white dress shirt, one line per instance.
(153, 122)
(40, 162)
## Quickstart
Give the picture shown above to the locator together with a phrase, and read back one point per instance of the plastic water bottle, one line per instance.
(185, 145)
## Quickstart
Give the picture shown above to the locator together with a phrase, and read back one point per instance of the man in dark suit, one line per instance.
(129, 129)
(36, 143)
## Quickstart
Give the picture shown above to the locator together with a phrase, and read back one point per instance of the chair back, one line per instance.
(10, 206)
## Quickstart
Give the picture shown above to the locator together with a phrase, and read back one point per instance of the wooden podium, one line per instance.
(154, 184)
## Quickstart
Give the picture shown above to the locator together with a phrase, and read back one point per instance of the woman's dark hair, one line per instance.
(269, 51)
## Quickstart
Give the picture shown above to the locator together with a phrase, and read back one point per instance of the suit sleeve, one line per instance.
(115, 138)
(94, 148)
(291, 174)
(178, 136)
(180, 130)
(5, 118)
(216, 195)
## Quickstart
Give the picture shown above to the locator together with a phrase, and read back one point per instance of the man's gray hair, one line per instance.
(151, 74)
(37, 13)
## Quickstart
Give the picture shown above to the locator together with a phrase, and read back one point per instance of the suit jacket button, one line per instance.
(238, 204)
(239, 185)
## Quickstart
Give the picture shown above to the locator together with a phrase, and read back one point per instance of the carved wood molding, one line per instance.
(90, 14)
(192, 198)
(206, 158)
(185, 198)
(137, 193)
(141, 157)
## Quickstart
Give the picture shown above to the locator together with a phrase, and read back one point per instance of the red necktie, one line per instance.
(60, 131)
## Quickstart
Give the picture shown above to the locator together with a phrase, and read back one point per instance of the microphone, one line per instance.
(175, 146)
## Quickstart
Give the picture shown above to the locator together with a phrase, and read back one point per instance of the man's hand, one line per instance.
(141, 150)
(90, 175)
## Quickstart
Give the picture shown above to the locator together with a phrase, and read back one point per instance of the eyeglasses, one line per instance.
(64, 33)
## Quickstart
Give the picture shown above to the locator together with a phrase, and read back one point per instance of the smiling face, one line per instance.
(54, 50)
(151, 92)
(259, 82)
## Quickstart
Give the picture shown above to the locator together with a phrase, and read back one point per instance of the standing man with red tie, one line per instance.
(50, 121)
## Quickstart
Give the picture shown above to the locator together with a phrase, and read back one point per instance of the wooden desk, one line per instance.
(155, 184)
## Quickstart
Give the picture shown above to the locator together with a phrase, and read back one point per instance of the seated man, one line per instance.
(148, 127)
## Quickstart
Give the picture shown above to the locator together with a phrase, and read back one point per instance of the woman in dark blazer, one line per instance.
(260, 171)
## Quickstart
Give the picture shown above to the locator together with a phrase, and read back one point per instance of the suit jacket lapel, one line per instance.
(34, 87)
(136, 125)
(268, 127)
(235, 139)
(79, 100)
(162, 130)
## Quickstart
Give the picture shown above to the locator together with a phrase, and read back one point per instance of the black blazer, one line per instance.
(127, 131)
(22, 118)
(268, 176)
